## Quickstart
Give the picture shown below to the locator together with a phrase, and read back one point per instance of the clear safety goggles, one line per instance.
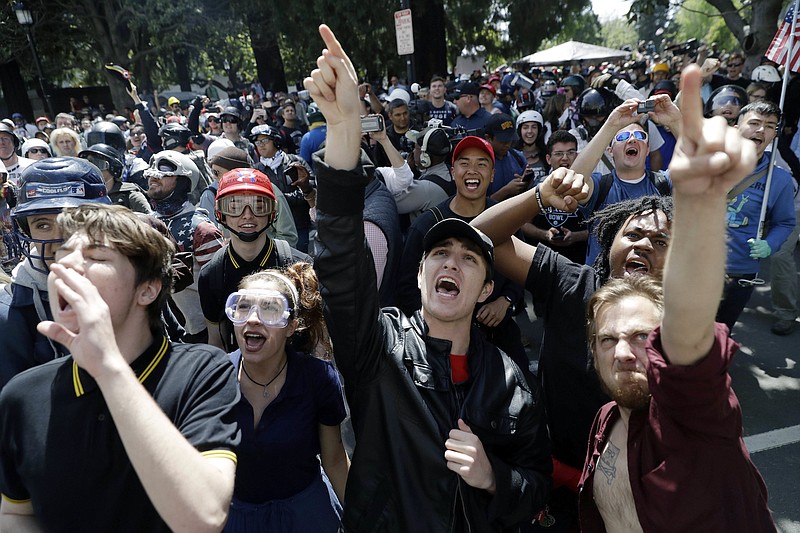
(234, 204)
(272, 307)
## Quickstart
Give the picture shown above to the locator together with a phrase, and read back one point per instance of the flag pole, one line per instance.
(774, 154)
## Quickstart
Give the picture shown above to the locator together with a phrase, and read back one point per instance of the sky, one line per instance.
(610, 9)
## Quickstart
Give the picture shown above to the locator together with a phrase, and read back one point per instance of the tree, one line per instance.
(753, 24)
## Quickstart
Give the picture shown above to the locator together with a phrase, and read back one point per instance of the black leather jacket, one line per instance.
(403, 403)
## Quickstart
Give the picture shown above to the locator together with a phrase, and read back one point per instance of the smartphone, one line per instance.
(291, 174)
(528, 174)
(646, 106)
(558, 236)
(371, 123)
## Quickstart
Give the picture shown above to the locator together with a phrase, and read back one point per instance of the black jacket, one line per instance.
(403, 403)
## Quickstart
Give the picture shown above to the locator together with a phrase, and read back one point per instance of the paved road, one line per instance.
(766, 378)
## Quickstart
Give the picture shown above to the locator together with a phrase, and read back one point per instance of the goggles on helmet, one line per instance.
(272, 307)
(726, 99)
(623, 136)
(234, 204)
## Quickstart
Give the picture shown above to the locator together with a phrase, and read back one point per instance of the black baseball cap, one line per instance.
(501, 127)
(466, 87)
(457, 228)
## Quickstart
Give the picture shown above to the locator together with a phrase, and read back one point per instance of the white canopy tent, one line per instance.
(570, 51)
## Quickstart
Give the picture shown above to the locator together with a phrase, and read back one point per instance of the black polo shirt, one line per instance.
(222, 274)
(59, 447)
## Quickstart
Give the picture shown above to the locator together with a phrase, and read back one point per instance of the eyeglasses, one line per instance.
(568, 153)
(234, 205)
(262, 142)
(623, 136)
(38, 151)
(272, 307)
(100, 163)
(229, 120)
(734, 65)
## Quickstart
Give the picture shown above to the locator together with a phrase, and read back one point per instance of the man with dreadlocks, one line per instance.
(633, 235)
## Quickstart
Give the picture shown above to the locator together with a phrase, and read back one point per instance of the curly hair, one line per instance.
(608, 221)
(311, 335)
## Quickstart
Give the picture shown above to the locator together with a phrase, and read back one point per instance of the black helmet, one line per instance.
(271, 132)
(233, 112)
(5, 128)
(115, 160)
(173, 135)
(596, 102)
(575, 81)
(666, 87)
(47, 187)
(728, 100)
(525, 101)
(120, 121)
(106, 133)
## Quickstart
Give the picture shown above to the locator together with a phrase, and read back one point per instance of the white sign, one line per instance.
(404, 31)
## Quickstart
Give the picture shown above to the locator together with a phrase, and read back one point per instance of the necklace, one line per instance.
(268, 383)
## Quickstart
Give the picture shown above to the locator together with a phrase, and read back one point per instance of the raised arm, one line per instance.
(623, 115)
(564, 189)
(710, 159)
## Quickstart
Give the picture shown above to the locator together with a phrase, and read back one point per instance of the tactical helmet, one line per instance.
(107, 133)
(115, 160)
(765, 74)
(549, 88)
(525, 100)
(727, 101)
(5, 128)
(575, 81)
(271, 132)
(314, 114)
(172, 163)
(596, 102)
(174, 135)
(47, 187)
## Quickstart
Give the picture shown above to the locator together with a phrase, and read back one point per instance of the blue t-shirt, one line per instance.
(620, 190)
(504, 169)
(279, 458)
(744, 212)
(477, 121)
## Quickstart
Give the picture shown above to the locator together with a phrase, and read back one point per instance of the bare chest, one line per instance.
(612, 484)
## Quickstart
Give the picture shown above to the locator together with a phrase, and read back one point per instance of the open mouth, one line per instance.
(631, 151)
(447, 286)
(757, 140)
(636, 266)
(253, 342)
(472, 184)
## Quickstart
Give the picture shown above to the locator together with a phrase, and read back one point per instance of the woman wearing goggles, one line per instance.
(290, 410)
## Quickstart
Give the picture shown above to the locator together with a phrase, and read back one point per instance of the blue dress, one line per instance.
(280, 485)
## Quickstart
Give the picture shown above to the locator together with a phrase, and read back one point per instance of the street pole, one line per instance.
(25, 19)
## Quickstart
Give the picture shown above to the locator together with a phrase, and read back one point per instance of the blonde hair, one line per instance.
(60, 132)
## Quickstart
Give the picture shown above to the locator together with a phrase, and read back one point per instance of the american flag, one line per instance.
(778, 50)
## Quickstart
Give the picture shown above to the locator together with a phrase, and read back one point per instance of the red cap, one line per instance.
(473, 142)
(489, 88)
(40, 119)
(494, 77)
(245, 181)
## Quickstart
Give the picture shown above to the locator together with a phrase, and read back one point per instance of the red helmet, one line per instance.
(243, 181)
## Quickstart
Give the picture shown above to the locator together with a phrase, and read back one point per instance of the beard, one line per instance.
(633, 395)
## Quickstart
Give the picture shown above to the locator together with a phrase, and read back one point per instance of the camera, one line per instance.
(646, 106)
(371, 123)
(688, 47)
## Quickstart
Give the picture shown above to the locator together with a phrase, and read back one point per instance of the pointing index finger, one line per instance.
(691, 104)
(331, 42)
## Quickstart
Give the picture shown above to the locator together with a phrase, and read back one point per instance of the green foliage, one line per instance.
(699, 20)
(584, 27)
(617, 33)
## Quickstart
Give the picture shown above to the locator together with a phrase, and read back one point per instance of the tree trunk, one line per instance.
(267, 53)
(430, 57)
(16, 94)
(182, 69)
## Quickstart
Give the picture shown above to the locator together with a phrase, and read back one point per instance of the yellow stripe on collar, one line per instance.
(76, 380)
(159, 355)
(269, 253)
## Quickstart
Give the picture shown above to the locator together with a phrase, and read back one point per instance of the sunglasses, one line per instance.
(735, 65)
(213, 119)
(235, 204)
(229, 120)
(623, 136)
(38, 151)
(272, 307)
(726, 100)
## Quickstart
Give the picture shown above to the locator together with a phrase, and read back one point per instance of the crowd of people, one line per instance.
(197, 299)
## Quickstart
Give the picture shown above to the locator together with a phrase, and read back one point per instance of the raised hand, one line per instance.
(710, 157)
(564, 189)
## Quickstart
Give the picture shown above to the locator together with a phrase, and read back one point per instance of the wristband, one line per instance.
(538, 199)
